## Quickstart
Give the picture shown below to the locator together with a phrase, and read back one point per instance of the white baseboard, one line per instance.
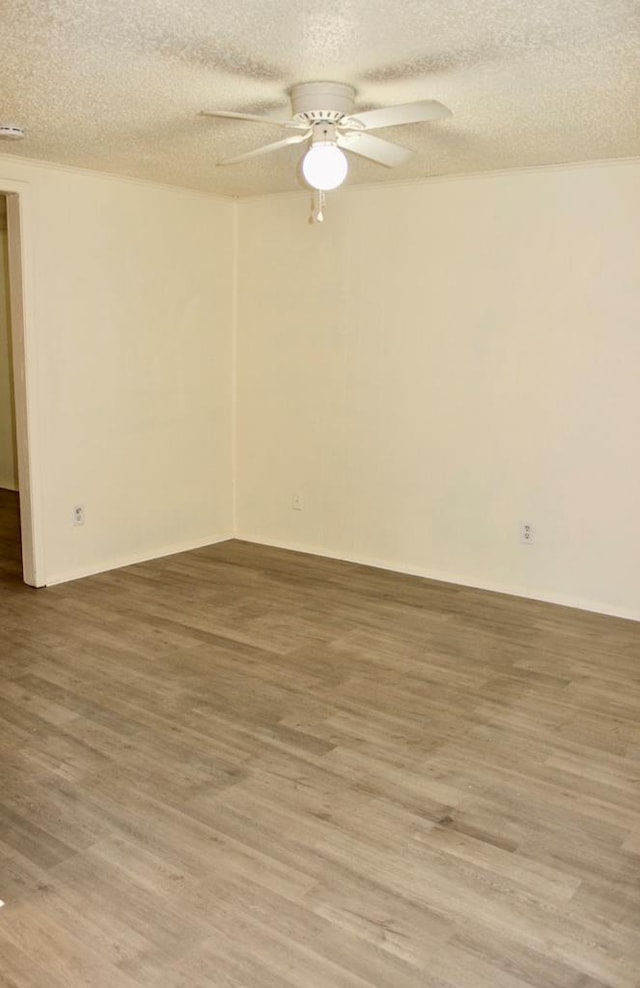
(106, 565)
(459, 579)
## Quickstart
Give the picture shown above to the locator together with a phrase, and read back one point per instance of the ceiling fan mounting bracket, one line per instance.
(313, 102)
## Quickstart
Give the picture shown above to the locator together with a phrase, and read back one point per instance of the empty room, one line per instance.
(319, 488)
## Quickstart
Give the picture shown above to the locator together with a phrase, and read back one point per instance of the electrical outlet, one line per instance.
(526, 533)
(296, 502)
(78, 514)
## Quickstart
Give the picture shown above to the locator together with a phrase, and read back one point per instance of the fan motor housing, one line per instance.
(315, 101)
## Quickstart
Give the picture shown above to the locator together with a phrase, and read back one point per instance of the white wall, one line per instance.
(8, 468)
(440, 361)
(130, 316)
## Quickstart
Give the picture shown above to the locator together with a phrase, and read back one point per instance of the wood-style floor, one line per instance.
(247, 768)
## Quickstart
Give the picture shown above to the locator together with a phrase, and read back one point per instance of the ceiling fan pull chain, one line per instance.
(317, 206)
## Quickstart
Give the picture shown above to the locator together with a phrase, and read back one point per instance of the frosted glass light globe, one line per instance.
(325, 167)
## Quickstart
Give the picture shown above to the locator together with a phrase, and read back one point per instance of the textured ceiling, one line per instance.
(116, 84)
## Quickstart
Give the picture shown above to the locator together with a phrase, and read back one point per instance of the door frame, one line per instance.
(20, 246)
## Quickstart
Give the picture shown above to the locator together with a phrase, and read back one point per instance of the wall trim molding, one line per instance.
(450, 177)
(119, 562)
(457, 579)
(7, 160)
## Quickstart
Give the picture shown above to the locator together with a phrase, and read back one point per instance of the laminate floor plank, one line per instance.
(242, 767)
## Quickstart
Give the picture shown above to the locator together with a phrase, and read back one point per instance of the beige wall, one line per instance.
(440, 361)
(130, 317)
(8, 468)
(435, 364)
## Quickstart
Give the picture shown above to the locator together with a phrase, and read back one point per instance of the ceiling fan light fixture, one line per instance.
(323, 112)
(325, 166)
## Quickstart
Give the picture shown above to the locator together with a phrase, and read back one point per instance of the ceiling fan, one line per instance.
(323, 117)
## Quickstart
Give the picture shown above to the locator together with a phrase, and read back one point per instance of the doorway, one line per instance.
(21, 549)
(10, 540)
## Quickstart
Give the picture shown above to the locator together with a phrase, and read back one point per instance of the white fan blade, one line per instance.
(384, 152)
(266, 149)
(231, 115)
(404, 113)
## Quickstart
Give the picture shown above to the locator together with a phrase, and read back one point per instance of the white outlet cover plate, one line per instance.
(527, 533)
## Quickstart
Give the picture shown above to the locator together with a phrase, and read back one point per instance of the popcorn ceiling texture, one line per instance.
(116, 84)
